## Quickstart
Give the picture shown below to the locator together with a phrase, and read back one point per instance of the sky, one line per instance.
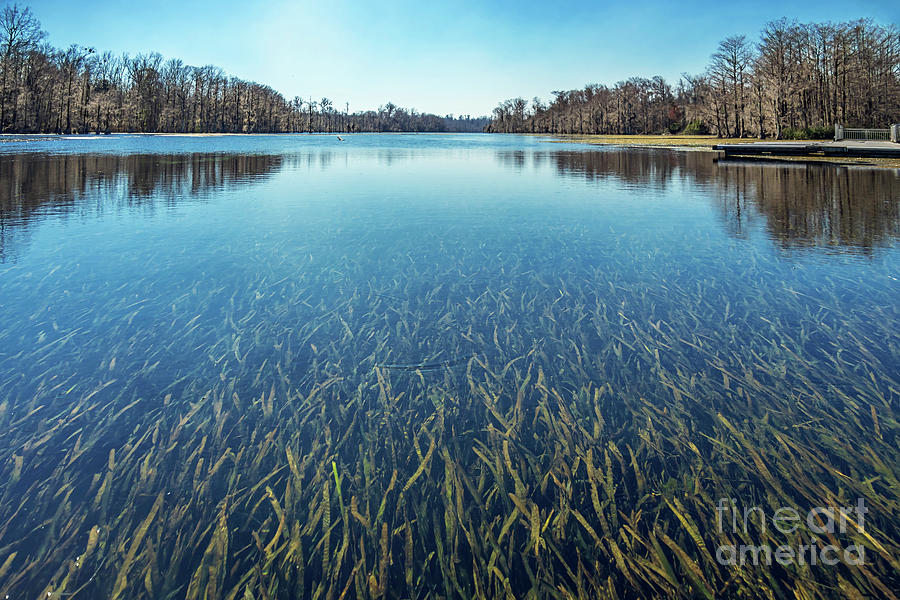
(460, 57)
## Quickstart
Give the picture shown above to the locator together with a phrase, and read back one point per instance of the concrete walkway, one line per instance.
(863, 144)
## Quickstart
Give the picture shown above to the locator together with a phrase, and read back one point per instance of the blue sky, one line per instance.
(461, 57)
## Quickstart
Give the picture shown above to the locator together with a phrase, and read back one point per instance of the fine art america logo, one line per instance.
(820, 520)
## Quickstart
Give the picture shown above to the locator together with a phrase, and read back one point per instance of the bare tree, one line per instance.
(730, 64)
(20, 34)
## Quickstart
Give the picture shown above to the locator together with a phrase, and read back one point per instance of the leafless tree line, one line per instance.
(81, 90)
(796, 80)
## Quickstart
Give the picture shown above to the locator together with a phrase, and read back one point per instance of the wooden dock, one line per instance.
(842, 149)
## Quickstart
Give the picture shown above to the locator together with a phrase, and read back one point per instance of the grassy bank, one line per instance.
(668, 141)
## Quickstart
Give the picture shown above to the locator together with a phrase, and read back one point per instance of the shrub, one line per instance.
(808, 133)
(696, 127)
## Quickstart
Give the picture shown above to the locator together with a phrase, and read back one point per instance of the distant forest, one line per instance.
(82, 90)
(796, 81)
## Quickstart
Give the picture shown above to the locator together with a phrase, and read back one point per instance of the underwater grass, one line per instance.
(463, 425)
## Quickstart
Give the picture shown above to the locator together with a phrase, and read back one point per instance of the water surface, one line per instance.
(436, 365)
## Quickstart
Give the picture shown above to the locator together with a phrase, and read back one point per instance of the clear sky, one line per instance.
(459, 57)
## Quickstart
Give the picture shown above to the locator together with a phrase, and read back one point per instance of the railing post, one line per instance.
(838, 132)
(895, 133)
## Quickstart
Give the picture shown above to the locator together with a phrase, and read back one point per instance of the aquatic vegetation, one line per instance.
(543, 412)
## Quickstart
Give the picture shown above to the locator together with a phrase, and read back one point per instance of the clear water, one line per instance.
(178, 301)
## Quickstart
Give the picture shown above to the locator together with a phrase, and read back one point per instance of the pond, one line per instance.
(421, 366)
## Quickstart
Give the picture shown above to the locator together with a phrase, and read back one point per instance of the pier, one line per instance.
(839, 149)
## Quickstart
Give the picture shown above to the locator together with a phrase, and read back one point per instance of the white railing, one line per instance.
(886, 135)
(867, 134)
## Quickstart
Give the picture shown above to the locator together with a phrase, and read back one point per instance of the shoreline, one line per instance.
(680, 143)
(705, 143)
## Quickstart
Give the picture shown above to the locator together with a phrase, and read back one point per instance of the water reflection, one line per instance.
(636, 167)
(799, 206)
(811, 206)
(836, 209)
(33, 187)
